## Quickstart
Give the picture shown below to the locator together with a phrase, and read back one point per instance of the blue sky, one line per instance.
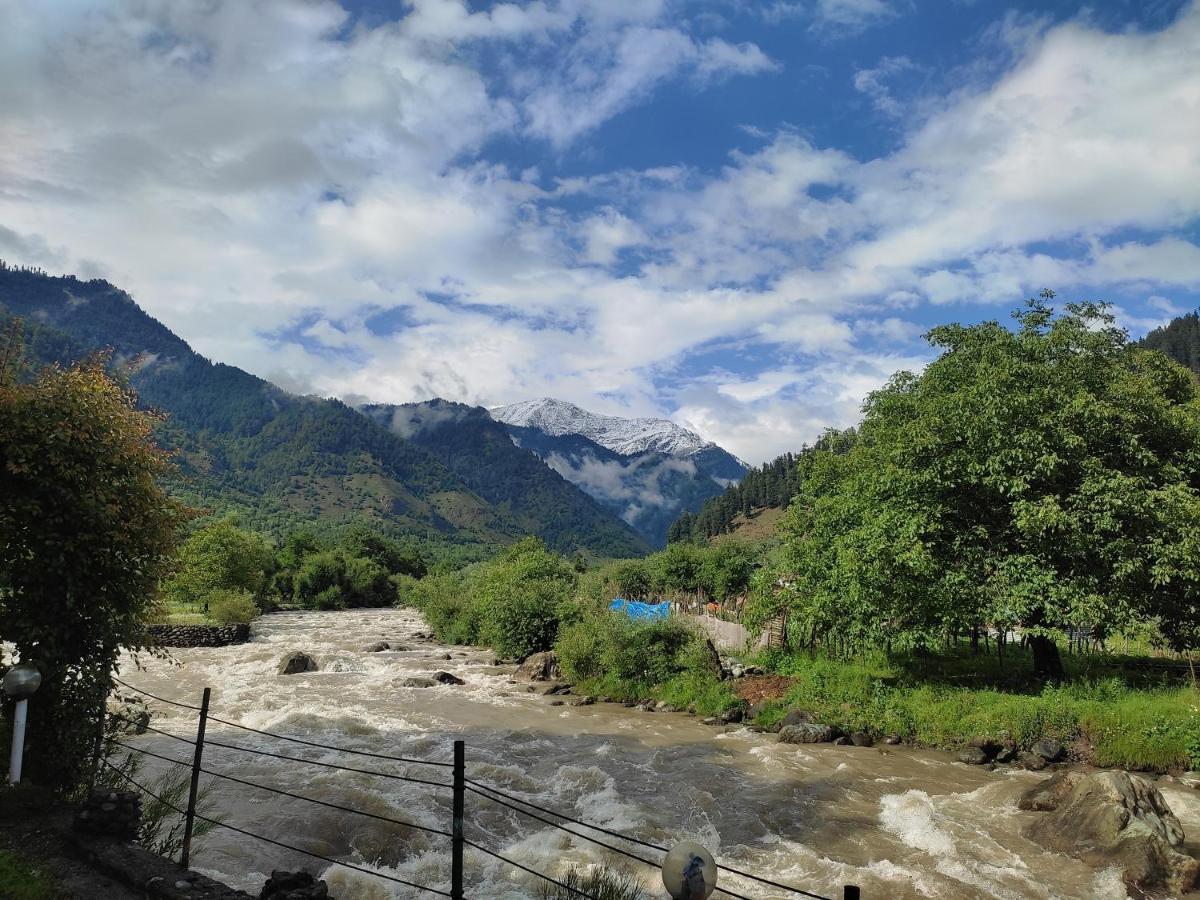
(741, 215)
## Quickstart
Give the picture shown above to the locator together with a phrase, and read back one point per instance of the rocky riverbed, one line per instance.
(896, 821)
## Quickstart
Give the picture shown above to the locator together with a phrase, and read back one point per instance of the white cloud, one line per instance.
(874, 83)
(838, 16)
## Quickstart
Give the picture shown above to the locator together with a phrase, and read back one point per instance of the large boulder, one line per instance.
(446, 678)
(973, 756)
(539, 667)
(1050, 751)
(806, 733)
(1046, 795)
(713, 660)
(296, 662)
(1114, 818)
(795, 717)
(416, 681)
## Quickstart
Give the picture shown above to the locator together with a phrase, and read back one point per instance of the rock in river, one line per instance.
(806, 733)
(973, 756)
(1114, 818)
(1050, 751)
(446, 678)
(539, 667)
(296, 662)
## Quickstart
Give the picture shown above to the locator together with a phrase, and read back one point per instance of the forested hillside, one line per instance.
(1179, 339)
(769, 486)
(278, 460)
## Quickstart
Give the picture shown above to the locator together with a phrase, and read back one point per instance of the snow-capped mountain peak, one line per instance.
(625, 436)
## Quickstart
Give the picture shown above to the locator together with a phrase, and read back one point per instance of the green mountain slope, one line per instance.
(281, 461)
(479, 450)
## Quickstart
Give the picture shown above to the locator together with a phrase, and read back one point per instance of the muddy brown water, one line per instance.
(899, 823)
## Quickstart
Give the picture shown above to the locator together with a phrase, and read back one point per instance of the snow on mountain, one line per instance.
(628, 437)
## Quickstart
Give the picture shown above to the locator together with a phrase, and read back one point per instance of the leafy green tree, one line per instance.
(318, 573)
(1042, 477)
(395, 558)
(676, 569)
(220, 557)
(230, 606)
(86, 533)
(725, 570)
(631, 579)
(366, 583)
(523, 595)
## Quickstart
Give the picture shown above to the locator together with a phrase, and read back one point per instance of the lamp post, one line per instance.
(20, 683)
(689, 872)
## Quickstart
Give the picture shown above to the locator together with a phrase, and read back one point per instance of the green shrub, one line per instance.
(580, 648)
(646, 652)
(602, 884)
(329, 599)
(230, 607)
(366, 583)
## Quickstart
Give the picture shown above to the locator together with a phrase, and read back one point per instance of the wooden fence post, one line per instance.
(190, 816)
(456, 830)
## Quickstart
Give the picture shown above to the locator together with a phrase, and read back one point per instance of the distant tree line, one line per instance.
(232, 574)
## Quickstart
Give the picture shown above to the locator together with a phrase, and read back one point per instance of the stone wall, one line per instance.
(198, 635)
(727, 635)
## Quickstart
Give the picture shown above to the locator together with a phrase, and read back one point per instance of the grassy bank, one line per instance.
(1107, 721)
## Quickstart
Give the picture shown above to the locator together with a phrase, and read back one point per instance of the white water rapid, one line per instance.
(900, 823)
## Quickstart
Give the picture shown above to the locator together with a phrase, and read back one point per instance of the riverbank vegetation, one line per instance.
(226, 574)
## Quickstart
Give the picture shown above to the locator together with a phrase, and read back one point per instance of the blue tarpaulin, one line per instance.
(641, 612)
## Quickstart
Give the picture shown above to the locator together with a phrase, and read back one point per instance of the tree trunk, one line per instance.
(1046, 661)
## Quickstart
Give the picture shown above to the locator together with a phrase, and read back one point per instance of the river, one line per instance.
(900, 823)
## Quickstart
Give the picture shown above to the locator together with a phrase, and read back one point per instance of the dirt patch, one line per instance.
(756, 688)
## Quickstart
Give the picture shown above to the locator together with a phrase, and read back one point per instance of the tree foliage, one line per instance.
(86, 532)
(1044, 477)
(221, 557)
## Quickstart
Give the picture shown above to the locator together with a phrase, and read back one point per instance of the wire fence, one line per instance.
(459, 786)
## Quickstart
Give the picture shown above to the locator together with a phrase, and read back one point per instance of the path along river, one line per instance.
(900, 823)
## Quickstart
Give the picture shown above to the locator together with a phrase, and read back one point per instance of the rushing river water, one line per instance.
(897, 822)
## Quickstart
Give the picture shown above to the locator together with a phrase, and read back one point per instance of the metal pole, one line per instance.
(190, 816)
(18, 741)
(850, 892)
(456, 830)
